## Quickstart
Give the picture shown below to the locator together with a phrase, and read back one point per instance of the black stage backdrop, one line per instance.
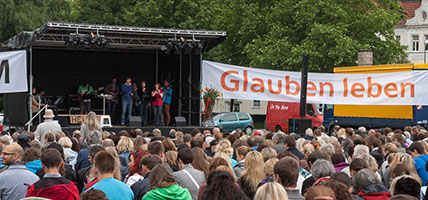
(60, 72)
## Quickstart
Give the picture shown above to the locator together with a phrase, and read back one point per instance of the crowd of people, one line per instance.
(209, 165)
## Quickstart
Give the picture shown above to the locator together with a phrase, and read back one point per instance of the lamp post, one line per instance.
(425, 51)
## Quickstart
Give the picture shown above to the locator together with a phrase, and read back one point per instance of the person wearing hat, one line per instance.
(48, 126)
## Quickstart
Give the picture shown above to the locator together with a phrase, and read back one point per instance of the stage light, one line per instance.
(163, 48)
(200, 45)
(69, 41)
(81, 41)
(103, 42)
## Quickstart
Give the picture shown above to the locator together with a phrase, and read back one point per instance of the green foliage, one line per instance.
(266, 34)
(27, 15)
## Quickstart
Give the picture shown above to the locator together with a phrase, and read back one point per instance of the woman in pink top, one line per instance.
(157, 104)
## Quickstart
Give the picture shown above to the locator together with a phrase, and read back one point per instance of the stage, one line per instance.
(61, 56)
(164, 129)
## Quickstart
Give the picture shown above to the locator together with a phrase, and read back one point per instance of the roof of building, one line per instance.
(409, 7)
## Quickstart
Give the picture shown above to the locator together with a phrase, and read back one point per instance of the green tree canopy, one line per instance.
(266, 34)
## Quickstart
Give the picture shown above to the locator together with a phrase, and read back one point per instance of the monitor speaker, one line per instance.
(135, 121)
(180, 121)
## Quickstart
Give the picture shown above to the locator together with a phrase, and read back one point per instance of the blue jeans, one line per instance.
(158, 114)
(143, 111)
(126, 106)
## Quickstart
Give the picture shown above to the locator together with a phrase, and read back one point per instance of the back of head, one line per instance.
(358, 164)
(156, 148)
(317, 192)
(51, 158)
(337, 158)
(268, 153)
(290, 141)
(95, 137)
(342, 177)
(57, 147)
(418, 146)
(150, 161)
(185, 155)
(161, 177)
(313, 157)
(196, 141)
(340, 190)
(216, 162)
(360, 150)
(309, 132)
(287, 170)
(327, 148)
(125, 145)
(220, 185)
(400, 169)
(65, 142)
(363, 178)
(269, 166)
(94, 194)
(104, 162)
(322, 168)
(108, 143)
(49, 137)
(31, 154)
(95, 149)
(271, 190)
(406, 185)
(279, 136)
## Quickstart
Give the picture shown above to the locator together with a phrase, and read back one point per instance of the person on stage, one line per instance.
(36, 105)
(127, 93)
(144, 105)
(113, 90)
(157, 104)
(136, 100)
(84, 95)
(167, 94)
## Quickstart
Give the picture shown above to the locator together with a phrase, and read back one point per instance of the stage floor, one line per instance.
(164, 129)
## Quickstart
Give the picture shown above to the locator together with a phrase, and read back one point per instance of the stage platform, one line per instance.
(164, 129)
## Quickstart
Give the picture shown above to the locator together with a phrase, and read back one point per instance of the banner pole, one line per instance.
(31, 86)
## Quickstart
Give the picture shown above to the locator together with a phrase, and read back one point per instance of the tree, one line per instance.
(27, 15)
(331, 31)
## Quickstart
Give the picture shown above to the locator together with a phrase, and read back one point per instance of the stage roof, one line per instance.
(52, 35)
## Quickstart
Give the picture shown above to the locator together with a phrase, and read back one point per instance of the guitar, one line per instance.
(88, 94)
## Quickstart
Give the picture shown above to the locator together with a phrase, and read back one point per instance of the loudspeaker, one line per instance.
(180, 121)
(299, 126)
(303, 88)
(63, 121)
(135, 121)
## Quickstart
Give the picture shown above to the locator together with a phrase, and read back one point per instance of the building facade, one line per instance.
(413, 32)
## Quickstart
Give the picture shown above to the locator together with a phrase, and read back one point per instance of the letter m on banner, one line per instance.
(4, 68)
(13, 72)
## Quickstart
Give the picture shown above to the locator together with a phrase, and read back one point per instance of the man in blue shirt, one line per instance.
(127, 93)
(167, 94)
(104, 167)
(418, 154)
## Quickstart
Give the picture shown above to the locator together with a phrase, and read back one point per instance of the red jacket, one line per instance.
(375, 195)
(57, 192)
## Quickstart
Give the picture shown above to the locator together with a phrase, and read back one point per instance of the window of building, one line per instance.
(426, 43)
(236, 107)
(256, 104)
(415, 42)
(398, 38)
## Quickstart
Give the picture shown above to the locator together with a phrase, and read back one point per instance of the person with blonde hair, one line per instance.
(70, 155)
(224, 146)
(271, 191)
(320, 192)
(124, 147)
(252, 174)
(410, 164)
(90, 123)
(170, 158)
(268, 153)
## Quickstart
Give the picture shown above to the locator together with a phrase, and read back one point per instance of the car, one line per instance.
(231, 121)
